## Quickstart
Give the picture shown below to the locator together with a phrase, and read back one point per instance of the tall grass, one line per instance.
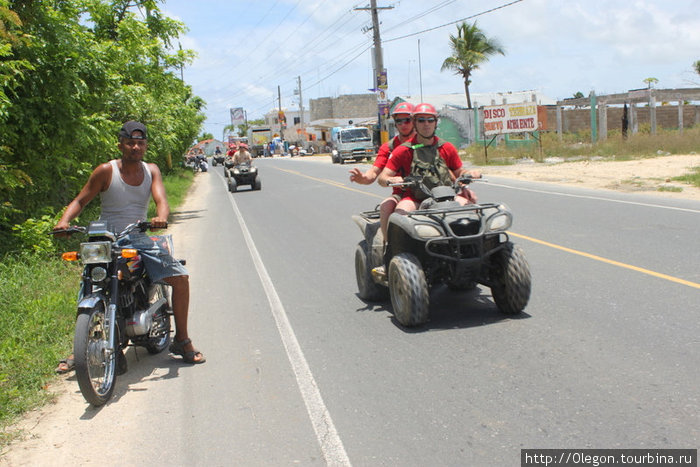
(37, 313)
(576, 146)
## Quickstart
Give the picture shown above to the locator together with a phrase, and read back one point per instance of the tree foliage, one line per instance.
(470, 48)
(71, 72)
(696, 67)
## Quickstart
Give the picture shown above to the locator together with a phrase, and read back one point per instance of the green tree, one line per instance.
(70, 74)
(470, 48)
(650, 82)
(696, 66)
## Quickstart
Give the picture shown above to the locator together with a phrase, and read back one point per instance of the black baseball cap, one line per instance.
(129, 127)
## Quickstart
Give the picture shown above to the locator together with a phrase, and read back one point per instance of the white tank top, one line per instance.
(123, 204)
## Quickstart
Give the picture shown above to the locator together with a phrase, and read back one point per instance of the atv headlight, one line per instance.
(96, 252)
(236, 171)
(427, 231)
(500, 221)
(253, 169)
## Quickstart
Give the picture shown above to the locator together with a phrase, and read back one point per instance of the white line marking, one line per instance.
(600, 198)
(326, 434)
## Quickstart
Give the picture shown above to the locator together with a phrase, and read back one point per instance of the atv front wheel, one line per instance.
(511, 276)
(232, 185)
(368, 289)
(409, 290)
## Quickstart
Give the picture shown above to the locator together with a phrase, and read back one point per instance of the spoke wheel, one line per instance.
(159, 339)
(94, 365)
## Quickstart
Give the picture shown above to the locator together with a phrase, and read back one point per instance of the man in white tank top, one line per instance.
(125, 186)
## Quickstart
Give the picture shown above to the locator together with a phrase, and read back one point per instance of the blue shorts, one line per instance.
(155, 252)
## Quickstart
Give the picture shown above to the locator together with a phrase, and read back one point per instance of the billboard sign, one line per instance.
(237, 116)
(510, 118)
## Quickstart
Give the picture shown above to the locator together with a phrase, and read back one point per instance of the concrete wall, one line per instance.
(346, 106)
(574, 120)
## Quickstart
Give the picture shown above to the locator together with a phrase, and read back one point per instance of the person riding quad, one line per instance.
(404, 125)
(424, 153)
(242, 155)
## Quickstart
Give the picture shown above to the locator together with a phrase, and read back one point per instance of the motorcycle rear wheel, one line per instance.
(159, 343)
(95, 368)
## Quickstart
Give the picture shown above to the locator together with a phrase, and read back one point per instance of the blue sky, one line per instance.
(246, 49)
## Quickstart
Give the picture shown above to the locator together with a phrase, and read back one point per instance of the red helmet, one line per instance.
(243, 146)
(425, 109)
(402, 108)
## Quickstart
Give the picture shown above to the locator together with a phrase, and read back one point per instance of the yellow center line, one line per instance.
(608, 261)
(330, 182)
(525, 237)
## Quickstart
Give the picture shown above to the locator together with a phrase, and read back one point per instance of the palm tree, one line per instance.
(470, 48)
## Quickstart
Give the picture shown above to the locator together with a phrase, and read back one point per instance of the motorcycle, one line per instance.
(117, 303)
(441, 242)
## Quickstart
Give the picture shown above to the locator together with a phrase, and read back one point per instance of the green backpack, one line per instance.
(428, 165)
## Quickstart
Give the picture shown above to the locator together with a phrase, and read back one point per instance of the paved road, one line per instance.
(301, 371)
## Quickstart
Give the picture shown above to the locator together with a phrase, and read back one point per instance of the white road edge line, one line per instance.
(326, 434)
(599, 198)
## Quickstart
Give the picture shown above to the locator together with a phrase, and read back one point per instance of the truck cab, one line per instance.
(351, 142)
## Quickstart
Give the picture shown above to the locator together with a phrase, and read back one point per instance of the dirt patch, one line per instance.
(652, 175)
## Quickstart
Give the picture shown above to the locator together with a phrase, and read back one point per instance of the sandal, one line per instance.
(178, 348)
(66, 365)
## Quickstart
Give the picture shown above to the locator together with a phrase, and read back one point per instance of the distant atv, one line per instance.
(441, 242)
(241, 174)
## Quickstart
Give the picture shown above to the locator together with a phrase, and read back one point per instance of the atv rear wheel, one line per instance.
(409, 290)
(511, 276)
(368, 289)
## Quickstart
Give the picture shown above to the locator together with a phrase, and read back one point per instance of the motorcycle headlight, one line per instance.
(96, 252)
(427, 231)
(98, 274)
(500, 221)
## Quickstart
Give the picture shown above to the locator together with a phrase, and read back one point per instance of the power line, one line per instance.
(453, 22)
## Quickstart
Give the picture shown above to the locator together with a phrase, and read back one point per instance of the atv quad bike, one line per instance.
(241, 174)
(441, 242)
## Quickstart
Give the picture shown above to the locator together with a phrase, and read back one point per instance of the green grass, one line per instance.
(37, 315)
(692, 178)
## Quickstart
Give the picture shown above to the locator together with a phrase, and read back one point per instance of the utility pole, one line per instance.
(301, 108)
(279, 111)
(378, 61)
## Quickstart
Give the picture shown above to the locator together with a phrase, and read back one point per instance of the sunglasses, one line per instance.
(424, 120)
(400, 121)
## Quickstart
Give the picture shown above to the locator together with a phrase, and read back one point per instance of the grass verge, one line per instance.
(37, 299)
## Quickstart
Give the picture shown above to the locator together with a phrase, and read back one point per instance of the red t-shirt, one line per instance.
(383, 155)
(401, 158)
(385, 151)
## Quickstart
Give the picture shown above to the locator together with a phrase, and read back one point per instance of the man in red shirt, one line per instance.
(400, 163)
(404, 124)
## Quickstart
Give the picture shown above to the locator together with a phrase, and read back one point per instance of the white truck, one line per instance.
(351, 142)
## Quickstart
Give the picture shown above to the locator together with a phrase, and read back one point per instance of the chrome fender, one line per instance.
(90, 302)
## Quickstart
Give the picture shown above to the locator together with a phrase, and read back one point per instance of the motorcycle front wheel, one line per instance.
(94, 365)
